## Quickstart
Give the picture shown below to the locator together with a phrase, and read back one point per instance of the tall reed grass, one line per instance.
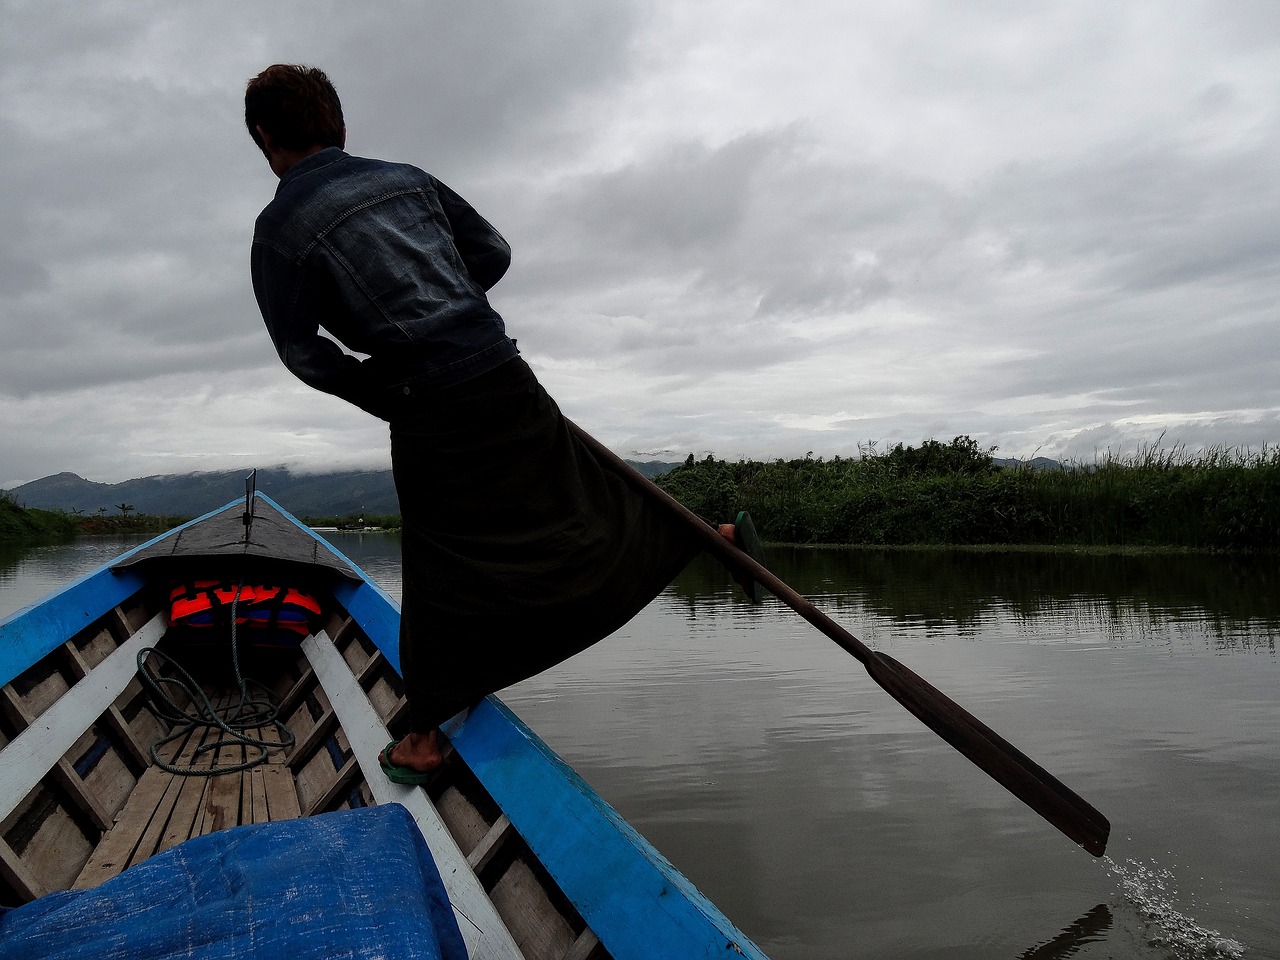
(1221, 498)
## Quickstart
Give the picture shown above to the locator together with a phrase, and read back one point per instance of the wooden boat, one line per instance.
(535, 864)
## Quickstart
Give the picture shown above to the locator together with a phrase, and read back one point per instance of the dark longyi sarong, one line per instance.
(519, 548)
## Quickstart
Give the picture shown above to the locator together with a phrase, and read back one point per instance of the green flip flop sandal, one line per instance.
(744, 532)
(397, 774)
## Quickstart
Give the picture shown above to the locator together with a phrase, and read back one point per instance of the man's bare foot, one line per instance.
(420, 752)
(726, 530)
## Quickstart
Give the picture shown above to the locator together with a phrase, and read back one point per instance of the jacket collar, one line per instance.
(307, 165)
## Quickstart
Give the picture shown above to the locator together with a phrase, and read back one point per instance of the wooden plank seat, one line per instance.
(40, 747)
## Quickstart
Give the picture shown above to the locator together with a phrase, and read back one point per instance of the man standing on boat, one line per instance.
(519, 547)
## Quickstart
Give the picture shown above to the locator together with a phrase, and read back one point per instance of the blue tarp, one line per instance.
(353, 884)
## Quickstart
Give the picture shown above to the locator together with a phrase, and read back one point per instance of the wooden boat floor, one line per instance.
(103, 804)
(165, 809)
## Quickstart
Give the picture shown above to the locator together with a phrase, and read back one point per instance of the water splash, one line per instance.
(1150, 889)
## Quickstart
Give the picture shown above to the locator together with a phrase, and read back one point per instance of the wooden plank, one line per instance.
(305, 748)
(62, 772)
(383, 697)
(338, 634)
(399, 714)
(483, 930)
(120, 621)
(182, 822)
(368, 673)
(274, 735)
(583, 947)
(269, 734)
(490, 843)
(179, 746)
(139, 717)
(467, 825)
(352, 651)
(113, 719)
(315, 778)
(15, 708)
(18, 876)
(221, 803)
(183, 819)
(297, 693)
(342, 783)
(246, 797)
(153, 797)
(45, 686)
(518, 894)
(112, 779)
(92, 649)
(57, 850)
(65, 776)
(281, 795)
(31, 754)
(258, 791)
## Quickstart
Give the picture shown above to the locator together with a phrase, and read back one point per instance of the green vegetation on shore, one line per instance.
(24, 525)
(955, 494)
(936, 494)
(36, 526)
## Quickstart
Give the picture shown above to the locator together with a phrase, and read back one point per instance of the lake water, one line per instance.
(829, 823)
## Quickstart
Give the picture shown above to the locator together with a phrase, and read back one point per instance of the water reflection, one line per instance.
(1233, 601)
(1091, 928)
(1229, 603)
(28, 574)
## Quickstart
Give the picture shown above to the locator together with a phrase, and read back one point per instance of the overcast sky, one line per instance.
(755, 229)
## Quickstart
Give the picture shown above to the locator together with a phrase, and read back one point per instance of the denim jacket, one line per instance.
(392, 264)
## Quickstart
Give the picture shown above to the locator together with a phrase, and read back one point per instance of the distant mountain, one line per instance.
(653, 468)
(1035, 463)
(343, 493)
(191, 494)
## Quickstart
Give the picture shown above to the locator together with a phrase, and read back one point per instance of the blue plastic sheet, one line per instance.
(354, 884)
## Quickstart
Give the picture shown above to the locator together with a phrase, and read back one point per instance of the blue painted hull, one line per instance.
(631, 897)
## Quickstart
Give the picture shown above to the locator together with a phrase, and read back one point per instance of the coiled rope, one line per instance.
(249, 713)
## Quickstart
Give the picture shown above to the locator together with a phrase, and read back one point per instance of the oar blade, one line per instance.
(1001, 760)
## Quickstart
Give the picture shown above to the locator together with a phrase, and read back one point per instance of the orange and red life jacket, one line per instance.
(203, 604)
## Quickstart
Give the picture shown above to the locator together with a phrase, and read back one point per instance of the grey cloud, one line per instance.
(21, 275)
(476, 87)
(670, 206)
(1150, 214)
(760, 231)
(1018, 223)
(113, 360)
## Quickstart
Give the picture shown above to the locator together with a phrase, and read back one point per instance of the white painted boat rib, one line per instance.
(483, 930)
(33, 753)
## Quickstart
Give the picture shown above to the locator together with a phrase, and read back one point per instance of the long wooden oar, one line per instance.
(1004, 762)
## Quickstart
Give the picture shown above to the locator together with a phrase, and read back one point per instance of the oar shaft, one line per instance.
(1039, 789)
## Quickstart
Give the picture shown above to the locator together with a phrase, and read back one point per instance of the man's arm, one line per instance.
(484, 252)
(295, 330)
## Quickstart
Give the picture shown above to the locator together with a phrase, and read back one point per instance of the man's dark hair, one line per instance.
(297, 105)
